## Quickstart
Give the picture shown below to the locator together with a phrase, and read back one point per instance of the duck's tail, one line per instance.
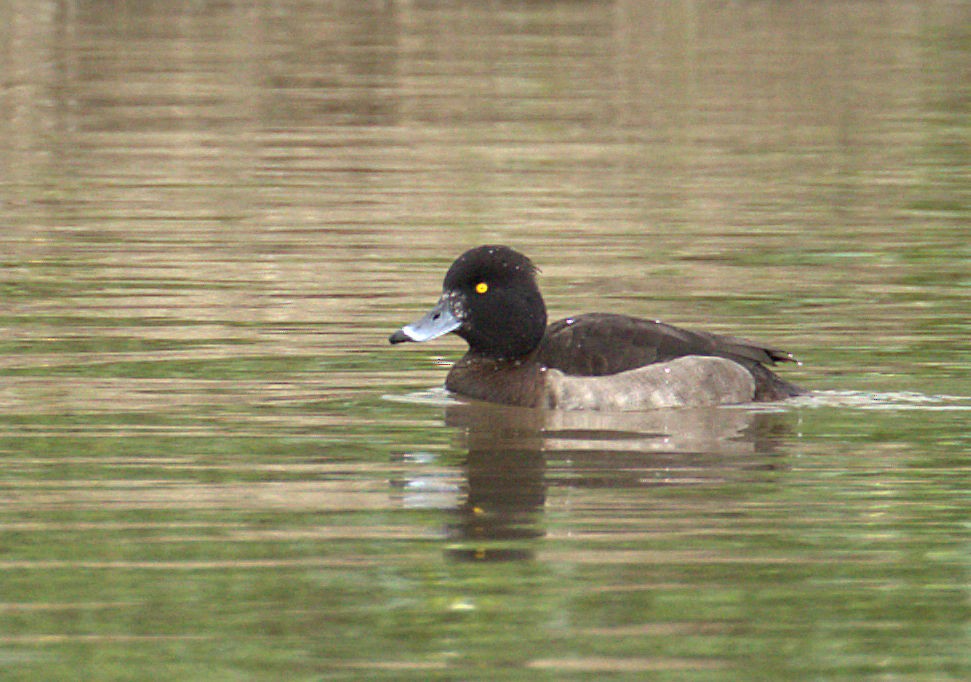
(770, 387)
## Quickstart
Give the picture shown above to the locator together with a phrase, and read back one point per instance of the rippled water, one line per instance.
(213, 466)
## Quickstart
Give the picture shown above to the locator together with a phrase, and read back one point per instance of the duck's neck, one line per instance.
(520, 381)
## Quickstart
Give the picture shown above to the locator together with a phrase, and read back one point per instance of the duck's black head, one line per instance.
(490, 298)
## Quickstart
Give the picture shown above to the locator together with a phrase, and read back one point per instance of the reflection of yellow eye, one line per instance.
(481, 288)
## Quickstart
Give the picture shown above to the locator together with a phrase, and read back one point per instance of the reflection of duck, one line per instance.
(506, 486)
(595, 361)
(518, 461)
(621, 449)
(682, 447)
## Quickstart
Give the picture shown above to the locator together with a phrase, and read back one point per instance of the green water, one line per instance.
(213, 466)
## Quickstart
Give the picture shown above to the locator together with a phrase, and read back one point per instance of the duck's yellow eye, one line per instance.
(481, 288)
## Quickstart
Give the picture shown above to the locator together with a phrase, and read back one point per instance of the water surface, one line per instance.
(213, 466)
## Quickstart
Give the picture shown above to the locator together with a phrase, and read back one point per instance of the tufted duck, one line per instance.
(594, 361)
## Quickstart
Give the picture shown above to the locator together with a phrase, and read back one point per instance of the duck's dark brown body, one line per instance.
(510, 382)
(597, 344)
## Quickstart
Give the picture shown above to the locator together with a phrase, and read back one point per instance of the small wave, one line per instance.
(894, 400)
(860, 400)
(436, 397)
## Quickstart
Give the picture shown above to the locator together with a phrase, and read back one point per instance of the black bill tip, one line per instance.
(399, 337)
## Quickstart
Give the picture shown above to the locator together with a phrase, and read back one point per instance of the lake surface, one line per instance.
(213, 466)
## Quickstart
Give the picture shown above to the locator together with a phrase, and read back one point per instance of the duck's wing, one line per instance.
(595, 344)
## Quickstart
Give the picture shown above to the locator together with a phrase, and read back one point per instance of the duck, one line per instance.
(593, 361)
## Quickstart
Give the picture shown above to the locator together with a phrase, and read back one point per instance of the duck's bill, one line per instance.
(439, 321)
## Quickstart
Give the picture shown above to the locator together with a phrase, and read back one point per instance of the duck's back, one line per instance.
(596, 344)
